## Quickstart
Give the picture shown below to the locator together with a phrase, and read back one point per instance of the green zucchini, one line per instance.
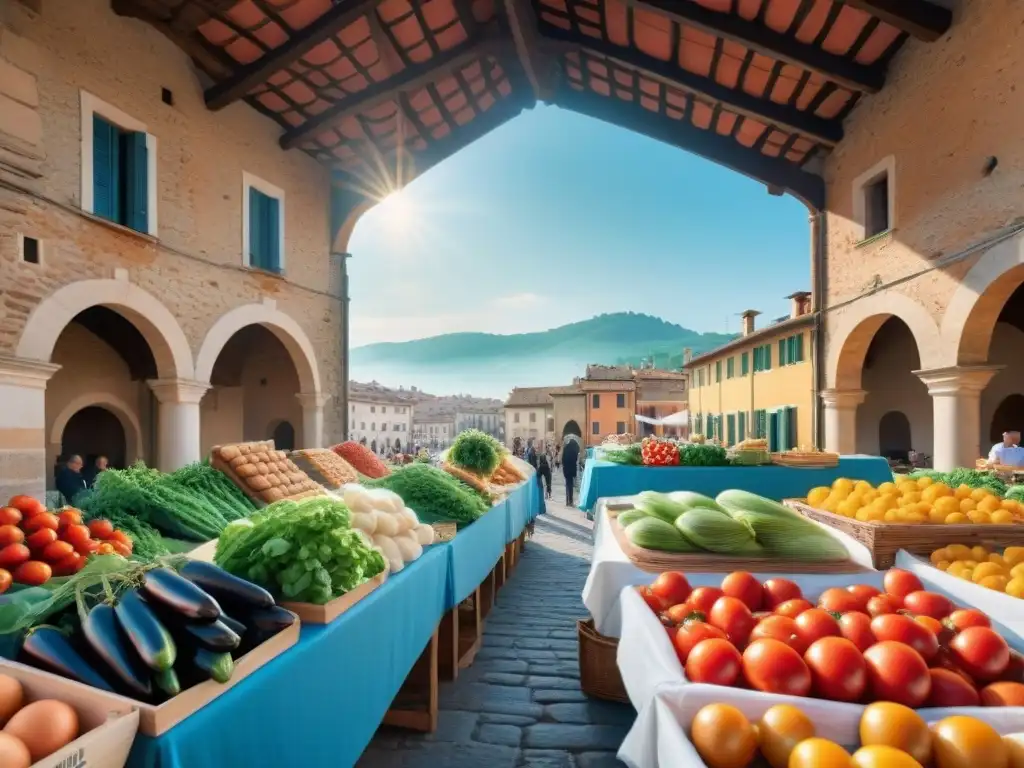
(654, 533)
(630, 516)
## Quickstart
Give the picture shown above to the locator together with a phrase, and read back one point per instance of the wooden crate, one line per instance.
(884, 540)
(415, 705)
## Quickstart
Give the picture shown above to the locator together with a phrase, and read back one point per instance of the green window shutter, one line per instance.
(136, 181)
(783, 421)
(730, 368)
(272, 233)
(791, 421)
(798, 343)
(782, 352)
(718, 371)
(773, 431)
(744, 364)
(757, 359)
(743, 425)
(767, 357)
(732, 428)
(256, 246)
(106, 156)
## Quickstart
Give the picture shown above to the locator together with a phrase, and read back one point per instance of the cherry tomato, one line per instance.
(980, 651)
(11, 534)
(691, 633)
(5, 580)
(744, 587)
(928, 604)
(105, 548)
(671, 586)
(856, 627)
(87, 547)
(838, 671)
(102, 529)
(778, 591)
(780, 628)
(793, 608)
(771, 666)
(896, 672)
(733, 617)
(950, 689)
(654, 602)
(901, 583)
(903, 629)
(42, 538)
(819, 753)
(815, 623)
(863, 591)
(42, 520)
(74, 534)
(14, 555)
(120, 548)
(69, 566)
(9, 516)
(123, 537)
(33, 573)
(1002, 694)
(69, 516)
(837, 600)
(879, 605)
(714, 661)
(966, 617)
(677, 614)
(27, 505)
(57, 551)
(702, 598)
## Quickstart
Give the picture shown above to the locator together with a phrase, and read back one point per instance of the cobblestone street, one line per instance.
(520, 703)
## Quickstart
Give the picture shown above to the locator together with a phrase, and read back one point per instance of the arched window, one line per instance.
(894, 436)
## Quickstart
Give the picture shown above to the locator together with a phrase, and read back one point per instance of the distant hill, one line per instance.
(490, 364)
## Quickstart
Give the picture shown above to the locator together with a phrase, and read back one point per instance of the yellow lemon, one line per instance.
(892, 516)
(958, 551)
(862, 514)
(1002, 517)
(830, 505)
(998, 583)
(947, 505)
(924, 482)
(939, 554)
(980, 517)
(966, 574)
(863, 486)
(1015, 587)
(936, 517)
(956, 518)
(870, 496)
(998, 560)
(877, 515)
(986, 569)
(916, 518)
(943, 565)
(887, 500)
(1013, 555)
(968, 505)
(887, 487)
(963, 491)
(956, 567)
(1010, 505)
(979, 553)
(817, 496)
(989, 504)
(979, 493)
(846, 508)
(1017, 571)
(842, 484)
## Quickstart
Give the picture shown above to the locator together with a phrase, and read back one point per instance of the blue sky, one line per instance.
(556, 217)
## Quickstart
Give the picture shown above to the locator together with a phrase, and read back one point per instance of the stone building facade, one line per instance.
(162, 335)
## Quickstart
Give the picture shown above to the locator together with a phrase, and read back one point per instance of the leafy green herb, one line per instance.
(476, 451)
(631, 455)
(433, 494)
(704, 455)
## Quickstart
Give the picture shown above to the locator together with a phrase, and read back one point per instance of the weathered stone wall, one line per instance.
(194, 266)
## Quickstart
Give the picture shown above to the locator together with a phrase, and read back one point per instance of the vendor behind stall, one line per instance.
(1007, 453)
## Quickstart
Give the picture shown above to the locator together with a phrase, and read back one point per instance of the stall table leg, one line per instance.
(448, 645)
(488, 591)
(470, 629)
(500, 572)
(415, 704)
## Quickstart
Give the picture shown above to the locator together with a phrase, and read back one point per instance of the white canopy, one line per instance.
(678, 419)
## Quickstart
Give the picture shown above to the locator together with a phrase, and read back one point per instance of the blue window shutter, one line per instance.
(272, 213)
(799, 343)
(767, 357)
(783, 421)
(743, 426)
(791, 420)
(256, 249)
(773, 431)
(105, 168)
(136, 178)
(731, 422)
(782, 352)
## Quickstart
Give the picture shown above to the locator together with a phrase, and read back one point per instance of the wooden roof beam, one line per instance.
(839, 69)
(299, 44)
(920, 18)
(782, 116)
(407, 79)
(724, 150)
(537, 67)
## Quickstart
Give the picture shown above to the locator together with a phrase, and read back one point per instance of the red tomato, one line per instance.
(671, 586)
(780, 628)
(33, 573)
(654, 602)
(879, 605)
(981, 652)
(896, 672)
(815, 623)
(702, 598)
(863, 591)
(677, 614)
(714, 661)
(903, 629)
(11, 534)
(928, 604)
(69, 566)
(9, 516)
(856, 627)
(27, 505)
(42, 538)
(69, 516)
(14, 555)
(1014, 671)
(743, 586)
(793, 608)
(101, 529)
(901, 583)
(838, 600)
(966, 617)
(1002, 694)
(778, 591)
(124, 538)
(87, 547)
(771, 666)
(5, 580)
(733, 617)
(837, 669)
(57, 551)
(42, 520)
(76, 534)
(120, 548)
(950, 689)
(690, 634)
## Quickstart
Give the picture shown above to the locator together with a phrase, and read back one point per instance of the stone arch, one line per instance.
(124, 413)
(855, 328)
(155, 322)
(288, 332)
(972, 313)
(572, 428)
(344, 233)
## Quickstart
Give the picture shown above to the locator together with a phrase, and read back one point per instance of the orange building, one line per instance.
(616, 394)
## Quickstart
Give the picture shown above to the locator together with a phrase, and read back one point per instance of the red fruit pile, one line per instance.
(659, 453)
(36, 544)
(858, 644)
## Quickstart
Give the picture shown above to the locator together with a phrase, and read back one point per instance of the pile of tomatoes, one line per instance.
(891, 736)
(858, 644)
(36, 544)
(659, 453)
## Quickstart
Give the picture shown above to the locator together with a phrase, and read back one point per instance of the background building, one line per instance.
(380, 417)
(434, 424)
(529, 414)
(761, 384)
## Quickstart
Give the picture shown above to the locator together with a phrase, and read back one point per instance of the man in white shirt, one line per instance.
(1007, 453)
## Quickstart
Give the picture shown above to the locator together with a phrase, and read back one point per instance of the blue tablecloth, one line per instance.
(474, 553)
(524, 504)
(603, 479)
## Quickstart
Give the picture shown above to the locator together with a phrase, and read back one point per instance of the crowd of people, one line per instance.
(72, 477)
(567, 456)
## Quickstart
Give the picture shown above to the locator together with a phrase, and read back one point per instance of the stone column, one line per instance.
(23, 465)
(841, 419)
(312, 419)
(956, 403)
(178, 423)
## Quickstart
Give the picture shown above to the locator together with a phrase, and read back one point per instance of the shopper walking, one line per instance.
(570, 457)
(543, 470)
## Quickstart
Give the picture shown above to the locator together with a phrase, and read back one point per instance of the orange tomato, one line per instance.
(896, 672)
(771, 666)
(901, 583)
(951, 689)
(896, 726)
(856, 627)
(932, 625)
(125, 539)
(106, 548)
(716, 662)
(779, 591)
(33, 573)
(75, 534)
(793, 608)
(879, 605)
(723, 737)
(11, 534)
(780, 729)
(5, 580)
(69, 516)
(40, 521)
(965, 742)
(819, 753)
(1003, 694)
(780, 628)
(837, 669)
(966, 617)
(120, 548)
(9, 516)
(883, 757)
(815, 623)
(932, 604)
(837, 600)
(744, 587)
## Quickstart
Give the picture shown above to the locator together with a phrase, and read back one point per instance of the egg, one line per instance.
(44, 726)
(11, 698)
(13, 752)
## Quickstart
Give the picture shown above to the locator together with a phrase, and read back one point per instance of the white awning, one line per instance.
(678, 419)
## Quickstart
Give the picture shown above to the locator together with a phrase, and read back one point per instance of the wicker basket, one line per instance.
(599, 670)
(806, 460)
(883, 540)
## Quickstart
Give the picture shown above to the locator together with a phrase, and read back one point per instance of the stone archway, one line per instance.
(283, 435)
(109, 402)
(572, 428)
